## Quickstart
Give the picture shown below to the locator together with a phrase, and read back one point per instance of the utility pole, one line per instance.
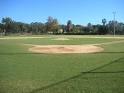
(114, 21)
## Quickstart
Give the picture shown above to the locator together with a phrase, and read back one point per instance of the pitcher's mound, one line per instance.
(65, 49)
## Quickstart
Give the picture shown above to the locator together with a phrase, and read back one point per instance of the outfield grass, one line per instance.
(22, 71)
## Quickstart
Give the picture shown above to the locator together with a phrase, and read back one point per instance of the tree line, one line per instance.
(52, 26)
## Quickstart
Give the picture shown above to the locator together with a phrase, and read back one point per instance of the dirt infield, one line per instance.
(91, 48)
(65, 49)
(61, 39)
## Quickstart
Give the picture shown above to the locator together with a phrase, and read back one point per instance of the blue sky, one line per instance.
(79, 11)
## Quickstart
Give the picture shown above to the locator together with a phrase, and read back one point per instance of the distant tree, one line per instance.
(120, 28)
(7, 24)
(52, 24)
(63, 27)
(110, 26)
(1, 27)
(103, 29)
(77, 28)
(90, 28)
(69, 26)
(42, 28)
(6, 20)
(37, 27)
(95, 29)
(55, 26)
(104, 21)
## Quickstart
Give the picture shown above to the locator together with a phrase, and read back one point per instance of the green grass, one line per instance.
(22, 71)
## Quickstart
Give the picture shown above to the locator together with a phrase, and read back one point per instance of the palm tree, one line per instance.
(104, 21)
(104, 28)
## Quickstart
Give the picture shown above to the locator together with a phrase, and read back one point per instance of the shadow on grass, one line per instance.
(103, 72)
(19, 53)
(82, 73)
(26, 53)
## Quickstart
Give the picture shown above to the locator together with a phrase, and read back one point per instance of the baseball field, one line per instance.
(61, 64)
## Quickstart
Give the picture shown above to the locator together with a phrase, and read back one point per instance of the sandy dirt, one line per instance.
(65, 49)
(61, 39)
(91, 48)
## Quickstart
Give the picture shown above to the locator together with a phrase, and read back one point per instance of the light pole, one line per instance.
(114, 21)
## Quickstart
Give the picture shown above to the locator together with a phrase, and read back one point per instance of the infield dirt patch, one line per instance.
(65, 49)
(62, 39)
